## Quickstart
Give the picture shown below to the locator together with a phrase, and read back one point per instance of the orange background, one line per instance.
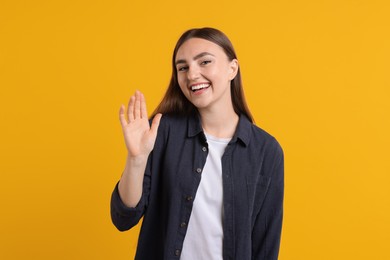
(316, 75)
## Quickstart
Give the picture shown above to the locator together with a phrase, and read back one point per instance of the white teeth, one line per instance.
(200, 86)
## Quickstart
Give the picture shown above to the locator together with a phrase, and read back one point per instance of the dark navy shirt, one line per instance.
(253, 184)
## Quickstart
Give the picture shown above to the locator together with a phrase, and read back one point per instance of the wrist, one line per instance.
(136, 161)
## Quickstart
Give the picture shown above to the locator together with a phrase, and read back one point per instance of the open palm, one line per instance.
(139, 135)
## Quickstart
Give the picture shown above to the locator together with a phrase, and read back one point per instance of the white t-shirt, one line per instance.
(204, 237)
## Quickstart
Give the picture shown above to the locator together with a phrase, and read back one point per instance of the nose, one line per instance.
(193, 73)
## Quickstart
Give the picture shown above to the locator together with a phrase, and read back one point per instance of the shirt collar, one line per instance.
(243, 131)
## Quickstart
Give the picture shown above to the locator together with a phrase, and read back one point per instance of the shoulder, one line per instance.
(269, 152)
(173, 121)
(259, 134)
(171, 124)
(267, 142)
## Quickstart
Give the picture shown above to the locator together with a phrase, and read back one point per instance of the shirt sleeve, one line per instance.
(266, 232)
(124, 217)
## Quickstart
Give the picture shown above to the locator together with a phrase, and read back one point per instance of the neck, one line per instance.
(221, 124)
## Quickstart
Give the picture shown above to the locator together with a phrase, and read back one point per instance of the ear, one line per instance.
(233, 69)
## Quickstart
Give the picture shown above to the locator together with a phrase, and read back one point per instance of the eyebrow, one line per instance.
(200, 55)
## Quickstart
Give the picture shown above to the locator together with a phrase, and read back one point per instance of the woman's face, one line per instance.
(204, 73)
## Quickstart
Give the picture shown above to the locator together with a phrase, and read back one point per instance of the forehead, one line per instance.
(194, 46)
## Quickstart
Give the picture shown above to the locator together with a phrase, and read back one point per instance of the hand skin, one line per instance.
(139, 139)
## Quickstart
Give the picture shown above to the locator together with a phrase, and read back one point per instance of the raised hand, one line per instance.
(139, 136)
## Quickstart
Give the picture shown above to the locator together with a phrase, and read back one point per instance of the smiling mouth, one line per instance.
(199, 87)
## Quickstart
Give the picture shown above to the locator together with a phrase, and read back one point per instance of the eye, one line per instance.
(205, 62)
(182, 68)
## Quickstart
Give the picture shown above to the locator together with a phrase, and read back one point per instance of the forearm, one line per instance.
(131, 182)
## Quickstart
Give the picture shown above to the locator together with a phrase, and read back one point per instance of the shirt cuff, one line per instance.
(121, 208)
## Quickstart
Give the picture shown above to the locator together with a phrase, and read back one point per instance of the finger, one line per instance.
(144, 113)
(155, 123)
(130, 109)
(137, 108)
(122, 118)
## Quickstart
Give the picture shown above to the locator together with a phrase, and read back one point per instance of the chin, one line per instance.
(201, 106)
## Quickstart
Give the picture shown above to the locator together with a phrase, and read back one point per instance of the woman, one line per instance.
(208, 182)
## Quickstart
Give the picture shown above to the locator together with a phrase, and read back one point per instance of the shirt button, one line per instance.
(189, 198)
(199, 170)
(177, 252)
(204, 149)
(183, 224)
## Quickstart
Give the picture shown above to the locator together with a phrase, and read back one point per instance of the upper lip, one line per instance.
(199, 83)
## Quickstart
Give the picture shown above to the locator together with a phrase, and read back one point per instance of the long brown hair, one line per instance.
(174, 101)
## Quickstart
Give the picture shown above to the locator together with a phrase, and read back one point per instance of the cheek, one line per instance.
(214, 76)
(215, 73)
(223, 75)
(182, 84)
